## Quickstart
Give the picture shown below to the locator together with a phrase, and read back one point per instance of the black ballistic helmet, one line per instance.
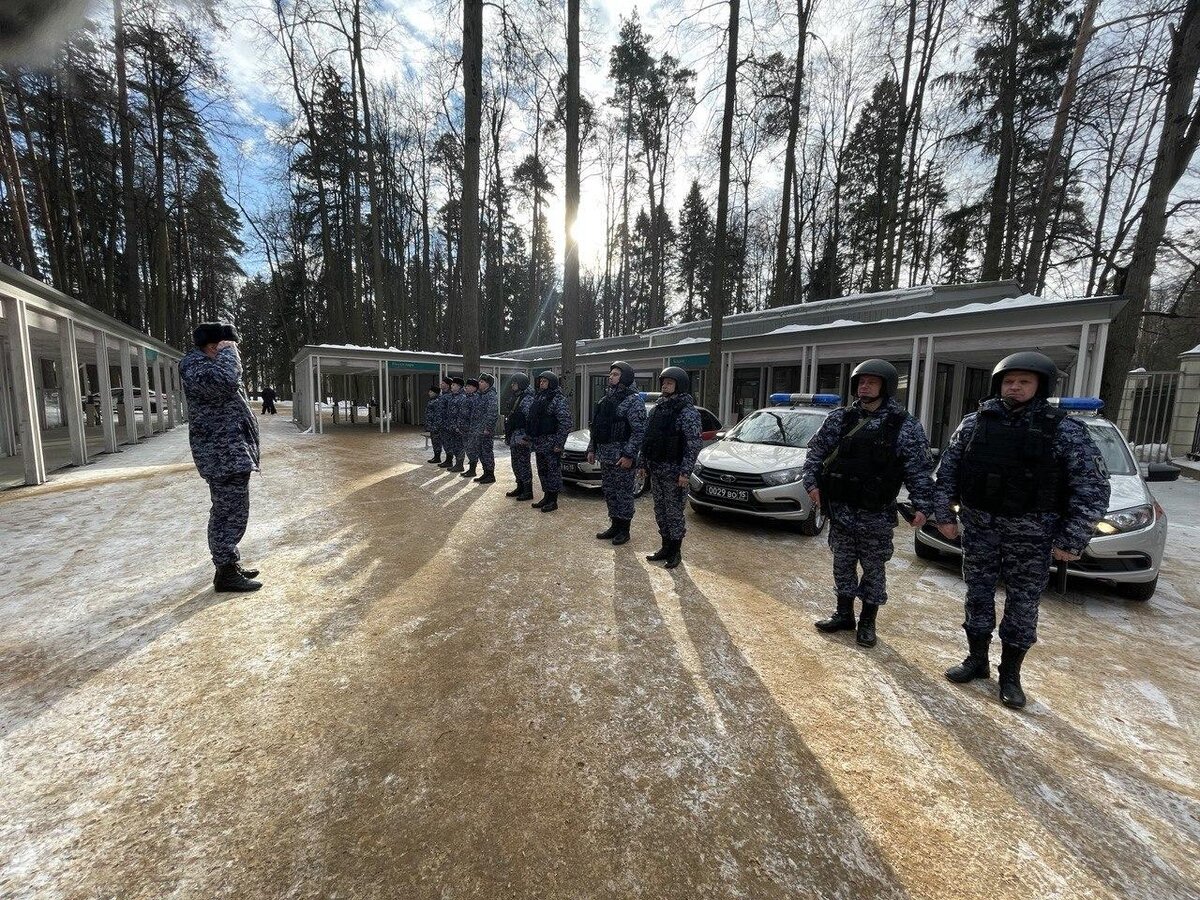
(626, 372)
(520, 381)
(880, 368)
(1027, 361)
(683, 381)
(550, 377)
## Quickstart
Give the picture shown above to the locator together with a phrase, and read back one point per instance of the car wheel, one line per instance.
(925, 552)
(641, 484)
(1141, 592)
(814, 524)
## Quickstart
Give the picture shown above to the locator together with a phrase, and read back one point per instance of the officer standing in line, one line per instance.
(855, 466)
(455, 439)
(484, 426)
(516, 436)
(1030, 485)
(548, 424)
(433, 423)
(669, 452)
(223, 435)
(618, 426)
(470, 413)
(443, 409)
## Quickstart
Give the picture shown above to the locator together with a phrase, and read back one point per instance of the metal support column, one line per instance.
(814, 383)
(104, 385)
(320, 400)
(131, 429)
(8, 424)
(927, 383)
(172, 393)
(68, 350)
(24, 391)
(144, 374)
(160, 394)
(1081, 359)
(1098, 352)
(912, 376)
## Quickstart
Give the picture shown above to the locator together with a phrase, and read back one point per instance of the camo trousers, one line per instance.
(865, 546)
(1016, 549)
(228, 516)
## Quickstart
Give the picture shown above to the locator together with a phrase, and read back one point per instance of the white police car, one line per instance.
(756, 467)
(578, 471)
(1127, 548)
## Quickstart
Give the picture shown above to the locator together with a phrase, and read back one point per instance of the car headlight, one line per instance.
(783, 476)
(1126, 520)
(696, 468)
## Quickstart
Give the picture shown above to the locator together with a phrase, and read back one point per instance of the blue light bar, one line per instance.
(1082, 404)
(649, 396)
(809, 399)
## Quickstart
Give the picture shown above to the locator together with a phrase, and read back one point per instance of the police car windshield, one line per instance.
(784, 427)
(1112, 448)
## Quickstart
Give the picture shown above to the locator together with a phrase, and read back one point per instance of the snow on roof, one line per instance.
(1007, 303)
(692, 340)
(1195, 349)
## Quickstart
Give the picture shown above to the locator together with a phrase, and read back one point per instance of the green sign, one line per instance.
(151, 355)
(397, 365)
(695, 361)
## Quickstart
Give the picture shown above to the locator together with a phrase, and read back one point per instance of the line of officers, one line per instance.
(1021, 484)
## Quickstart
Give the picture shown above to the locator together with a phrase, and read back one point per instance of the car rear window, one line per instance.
(1113, 448)
(786, 427)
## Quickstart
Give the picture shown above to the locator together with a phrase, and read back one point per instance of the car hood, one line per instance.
(1127, 491)
(579, 440)
(733, 456)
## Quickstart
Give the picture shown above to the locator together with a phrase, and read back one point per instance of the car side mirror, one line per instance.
(1162, 471)
(719, 436)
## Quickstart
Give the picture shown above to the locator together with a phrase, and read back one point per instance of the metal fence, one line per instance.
(1147, 409)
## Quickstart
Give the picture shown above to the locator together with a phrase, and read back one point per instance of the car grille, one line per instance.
(721, 478)
(1134, 562)
(574, 456)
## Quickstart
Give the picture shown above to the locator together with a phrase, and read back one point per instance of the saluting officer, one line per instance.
(483, 426)
(618, 426)
(433, 422)
(856, 464)
(516, 423)
(549, 423)
(1030, 485)
(669, 452)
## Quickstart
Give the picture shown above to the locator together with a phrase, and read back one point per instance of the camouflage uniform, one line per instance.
(516, 438)
(863, 537)
(483, 424)
(1017, 547)
(470, 415)
(549, 463)
(618, 483)
(664, 484)
(433, 422)
(455, 439)
(223, 435)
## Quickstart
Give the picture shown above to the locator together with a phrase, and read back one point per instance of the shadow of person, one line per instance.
(1092, 829)
(723, 776)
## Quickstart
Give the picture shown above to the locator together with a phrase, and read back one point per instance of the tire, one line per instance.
(814, 524)
(1140, 592)
(927, 553)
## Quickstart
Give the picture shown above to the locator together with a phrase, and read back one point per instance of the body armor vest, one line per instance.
(865, 472)
(1010, 470)
(541, 417)
(664, 441)
(608, 426)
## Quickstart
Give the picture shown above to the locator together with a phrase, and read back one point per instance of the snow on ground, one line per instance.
(443, 693)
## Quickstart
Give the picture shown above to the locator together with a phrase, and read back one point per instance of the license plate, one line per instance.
(723, 493)
(570, 467)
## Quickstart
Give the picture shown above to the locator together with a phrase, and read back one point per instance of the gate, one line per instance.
(1147, 409)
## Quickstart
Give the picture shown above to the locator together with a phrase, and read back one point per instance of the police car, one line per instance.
(756, 468)
(578, 471)
(1127, 548)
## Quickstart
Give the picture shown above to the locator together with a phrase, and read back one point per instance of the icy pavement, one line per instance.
(442, 693)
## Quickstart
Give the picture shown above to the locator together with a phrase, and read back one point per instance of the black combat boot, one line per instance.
(526, 491)
(610, 532)
(545, 499)
(447, 462)
(229, 579)
(550, 501)
(458, 464)
(249, 573)
(842, 620)
(976, 663)
(471, 472)
(437, 458)
(661, 553)
(488, 477)
(517, 491)
(675, 557)
(866, 625)
(1011, 693)
(622, 535)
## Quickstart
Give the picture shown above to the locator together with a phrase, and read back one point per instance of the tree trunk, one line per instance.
(570, 321)
(1177, 142)
(1034, 273)
(469, 225)
(379, 291)
(780, 295)
(134, 310)
(998, 209)
(16, 194)
(716, 302)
